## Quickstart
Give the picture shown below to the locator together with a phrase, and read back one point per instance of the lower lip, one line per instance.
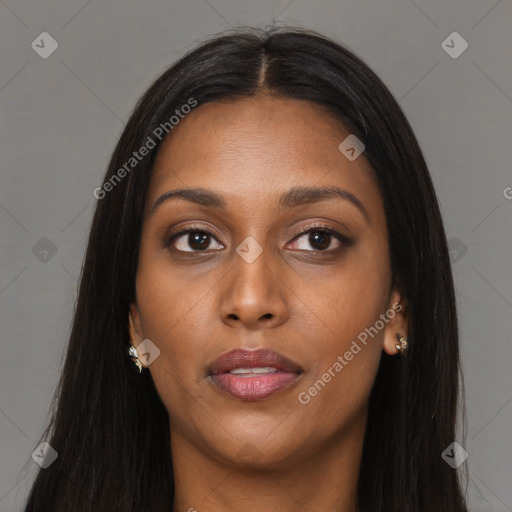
(254, 388)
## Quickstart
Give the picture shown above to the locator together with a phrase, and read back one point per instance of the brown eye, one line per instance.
(192, 240)
(320, 239)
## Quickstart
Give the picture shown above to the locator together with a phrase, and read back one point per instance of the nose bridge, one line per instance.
(253, 293)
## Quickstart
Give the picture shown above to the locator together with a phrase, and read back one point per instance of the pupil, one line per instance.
(319, 238)
(197, 240)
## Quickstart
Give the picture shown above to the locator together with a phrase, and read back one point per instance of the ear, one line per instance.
(134, 326)
(397, 324)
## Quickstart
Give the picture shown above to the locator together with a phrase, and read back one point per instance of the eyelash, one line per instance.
(344, 240)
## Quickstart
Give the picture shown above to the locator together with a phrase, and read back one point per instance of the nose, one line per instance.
(254, 296)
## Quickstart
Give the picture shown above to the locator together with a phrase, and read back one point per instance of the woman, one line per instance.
(266, 315)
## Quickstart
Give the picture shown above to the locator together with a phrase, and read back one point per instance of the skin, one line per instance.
(306, 304)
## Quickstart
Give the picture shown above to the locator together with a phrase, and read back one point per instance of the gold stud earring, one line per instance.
(401, 344)
(135, 357)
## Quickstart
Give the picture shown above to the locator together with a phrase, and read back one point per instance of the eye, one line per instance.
(321, 239)
(192, 240)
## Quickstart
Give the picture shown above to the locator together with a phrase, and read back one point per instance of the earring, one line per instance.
(135, 357)
(401, 344)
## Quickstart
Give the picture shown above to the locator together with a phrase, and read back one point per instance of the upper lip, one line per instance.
(240, 358)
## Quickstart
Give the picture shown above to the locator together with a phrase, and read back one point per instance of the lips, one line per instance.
(260, 358)
(253, 374)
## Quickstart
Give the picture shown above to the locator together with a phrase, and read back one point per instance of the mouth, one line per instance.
(253, 374)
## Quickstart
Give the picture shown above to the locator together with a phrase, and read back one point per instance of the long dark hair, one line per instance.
(109, 426)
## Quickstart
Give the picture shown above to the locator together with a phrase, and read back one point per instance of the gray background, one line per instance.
(61, 117)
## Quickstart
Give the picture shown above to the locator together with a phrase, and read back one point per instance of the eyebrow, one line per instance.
(294, 197)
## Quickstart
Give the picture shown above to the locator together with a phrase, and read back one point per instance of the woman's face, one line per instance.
(264, 276)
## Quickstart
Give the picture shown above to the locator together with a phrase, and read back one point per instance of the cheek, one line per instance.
(174, 314)
(344, 302)
(168, 294)
(175, 317)
(342, 353)
(343, 311)
(343, 360)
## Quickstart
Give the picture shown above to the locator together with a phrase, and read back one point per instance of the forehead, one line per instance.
(254, 149)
